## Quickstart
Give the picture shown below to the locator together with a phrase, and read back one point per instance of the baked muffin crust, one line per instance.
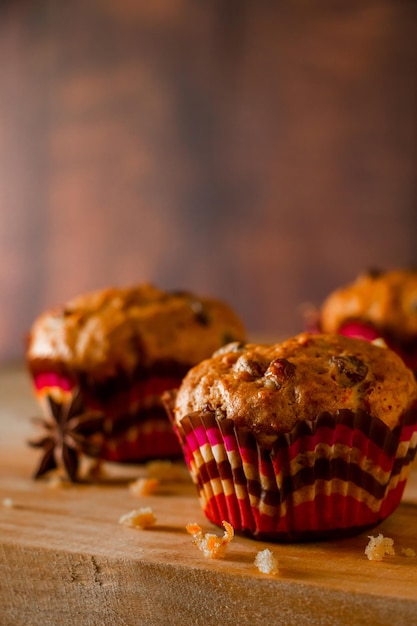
(107, 332)
(268, 389)
(386, 300)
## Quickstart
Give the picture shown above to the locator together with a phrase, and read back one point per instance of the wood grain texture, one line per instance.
(64, 559)
(262, 152)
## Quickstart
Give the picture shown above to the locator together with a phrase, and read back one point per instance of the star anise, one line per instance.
(69, 431)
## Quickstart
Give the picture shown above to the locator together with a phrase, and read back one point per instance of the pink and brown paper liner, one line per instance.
(332, 477)
(135, 426)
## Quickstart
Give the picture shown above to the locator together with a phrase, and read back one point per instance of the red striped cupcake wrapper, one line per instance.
(135, 426)
(135, 438)
(336, 476)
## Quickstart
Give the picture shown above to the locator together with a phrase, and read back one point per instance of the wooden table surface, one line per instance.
(65, 559)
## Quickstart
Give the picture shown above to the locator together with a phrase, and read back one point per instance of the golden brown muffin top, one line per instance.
(386, 300)
(116, 329)
(268, 389)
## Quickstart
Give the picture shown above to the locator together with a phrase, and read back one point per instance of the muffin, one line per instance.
(308, 439)
(100, 363)
(377, 304)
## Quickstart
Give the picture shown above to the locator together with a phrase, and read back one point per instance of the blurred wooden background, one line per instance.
(262, 152)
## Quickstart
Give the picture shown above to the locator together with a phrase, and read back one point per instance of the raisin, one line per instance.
(227, 337)
(200, 311)
(198, 308)
(279, 371)
(347, 371)
(251, 366)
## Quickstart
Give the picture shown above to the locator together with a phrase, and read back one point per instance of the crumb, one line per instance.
(144, 486)
(408, 552)
(8, 503)
(378, 547)
(140, 518)
(212, 546)
(167, 472)
(56, 482)
(266, 562)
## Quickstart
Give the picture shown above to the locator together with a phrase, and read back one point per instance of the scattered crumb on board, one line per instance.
(408, 552)
(378, 547)
(212, 546)
(266, 562)
(139, 518)
(144, 486)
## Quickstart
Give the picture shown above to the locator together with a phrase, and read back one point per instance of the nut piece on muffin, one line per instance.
(100, 363)
(305, 439)
(377, 304)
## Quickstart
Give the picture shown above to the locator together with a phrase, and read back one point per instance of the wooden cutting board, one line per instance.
(65, 559)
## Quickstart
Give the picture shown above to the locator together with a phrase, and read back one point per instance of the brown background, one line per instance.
(263, 152)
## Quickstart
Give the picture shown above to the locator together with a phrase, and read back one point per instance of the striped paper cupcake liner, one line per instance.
(336, 476)
(133, 428)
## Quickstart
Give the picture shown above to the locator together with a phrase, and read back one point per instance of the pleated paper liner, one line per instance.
(333, 477)
(134, 426)
(139, 437)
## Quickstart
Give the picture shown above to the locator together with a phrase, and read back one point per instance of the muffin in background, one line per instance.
(377, 304)
(308, 439)
(100, 363)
